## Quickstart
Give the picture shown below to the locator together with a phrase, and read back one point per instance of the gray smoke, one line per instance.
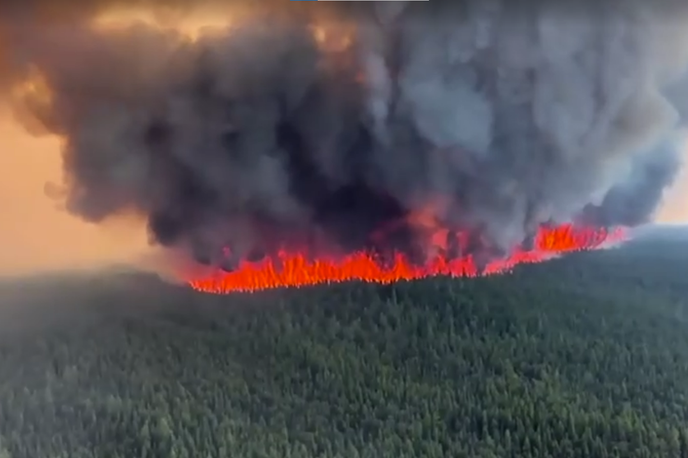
(512, 116)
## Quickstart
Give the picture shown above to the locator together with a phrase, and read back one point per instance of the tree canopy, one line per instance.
(585, 356)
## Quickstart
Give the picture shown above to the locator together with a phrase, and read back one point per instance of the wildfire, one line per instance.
(295, 270)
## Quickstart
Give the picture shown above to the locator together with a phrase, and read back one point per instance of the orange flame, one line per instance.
(294, 270)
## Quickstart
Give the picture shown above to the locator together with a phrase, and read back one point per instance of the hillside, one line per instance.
(585, 356)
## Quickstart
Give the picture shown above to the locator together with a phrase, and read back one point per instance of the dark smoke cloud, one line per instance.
(501, 117)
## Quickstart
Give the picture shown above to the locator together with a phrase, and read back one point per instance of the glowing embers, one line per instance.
(295, 270)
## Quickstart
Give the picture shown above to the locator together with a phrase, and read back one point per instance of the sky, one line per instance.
(35, 234)
(674, 209)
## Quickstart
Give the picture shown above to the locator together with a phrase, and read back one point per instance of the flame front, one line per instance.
(295, 270)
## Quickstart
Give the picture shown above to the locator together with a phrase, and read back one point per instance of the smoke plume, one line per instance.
(324, 126)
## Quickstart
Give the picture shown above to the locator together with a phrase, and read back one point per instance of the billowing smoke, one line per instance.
(326, 125)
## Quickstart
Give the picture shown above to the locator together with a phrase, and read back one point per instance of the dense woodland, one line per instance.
(580, 357)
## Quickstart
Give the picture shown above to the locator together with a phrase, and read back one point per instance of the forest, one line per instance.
(583, 356)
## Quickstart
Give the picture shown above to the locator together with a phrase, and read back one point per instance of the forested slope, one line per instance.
(581, 357)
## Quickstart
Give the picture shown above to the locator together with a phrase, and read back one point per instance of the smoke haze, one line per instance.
(36, 235)
(328, 123)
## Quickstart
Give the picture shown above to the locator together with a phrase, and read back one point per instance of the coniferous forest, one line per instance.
(585, 356)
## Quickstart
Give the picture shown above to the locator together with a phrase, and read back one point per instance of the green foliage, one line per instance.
(581, 357)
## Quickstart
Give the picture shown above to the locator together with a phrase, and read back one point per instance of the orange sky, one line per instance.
(34, 234)
(674, 209)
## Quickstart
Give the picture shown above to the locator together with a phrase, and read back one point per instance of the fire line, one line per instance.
(293, 270)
